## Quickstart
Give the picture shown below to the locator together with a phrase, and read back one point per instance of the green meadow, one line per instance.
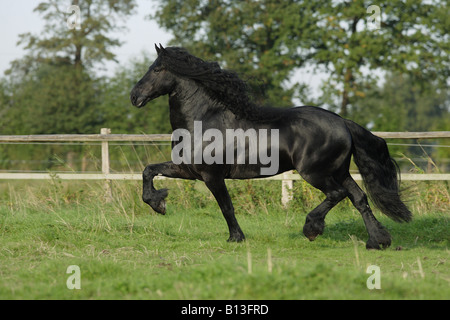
(126, 251)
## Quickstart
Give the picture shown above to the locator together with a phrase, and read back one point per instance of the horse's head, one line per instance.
(156, 82)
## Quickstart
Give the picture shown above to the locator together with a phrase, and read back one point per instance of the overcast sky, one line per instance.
(18, 17)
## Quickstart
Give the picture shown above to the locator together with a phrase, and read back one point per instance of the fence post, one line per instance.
(105, 165)
(286, 190)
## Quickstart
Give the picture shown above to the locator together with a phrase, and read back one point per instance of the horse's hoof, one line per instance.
(157, 201)
(311, 237)
(161, 207)
(236, 238)
(313, 229)
(381, 241)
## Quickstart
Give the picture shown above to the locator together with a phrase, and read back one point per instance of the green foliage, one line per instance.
(52, 89)
(402, 104)
(412, 39)
(54, 99)
(258, 39)
(268, 40)
(89, 44)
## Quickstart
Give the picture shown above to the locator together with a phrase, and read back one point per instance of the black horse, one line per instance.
(317, 143)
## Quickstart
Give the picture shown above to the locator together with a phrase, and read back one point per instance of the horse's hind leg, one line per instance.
(315, 220)
(378, 235)
(156, 198)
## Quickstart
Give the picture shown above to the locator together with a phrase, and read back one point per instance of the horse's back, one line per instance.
(315, 139)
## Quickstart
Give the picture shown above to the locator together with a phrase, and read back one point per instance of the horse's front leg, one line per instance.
(156, 198)
(218, 188)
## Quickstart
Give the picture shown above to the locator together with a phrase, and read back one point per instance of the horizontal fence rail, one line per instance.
(138, 176)
(166, 137)
(105, 137)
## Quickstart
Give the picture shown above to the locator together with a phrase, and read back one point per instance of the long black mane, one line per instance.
(222, 85)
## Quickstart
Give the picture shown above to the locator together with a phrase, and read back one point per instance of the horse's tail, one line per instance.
(379, 172)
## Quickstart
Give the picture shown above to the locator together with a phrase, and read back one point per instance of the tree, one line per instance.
(85, 45)
(259, 39)
(54, 87)
(268, 40)
(412, 38)
(402, 104)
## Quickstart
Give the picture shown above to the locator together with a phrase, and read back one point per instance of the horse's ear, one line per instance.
(160, 49)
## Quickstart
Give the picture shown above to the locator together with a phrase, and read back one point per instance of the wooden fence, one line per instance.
(105, 137)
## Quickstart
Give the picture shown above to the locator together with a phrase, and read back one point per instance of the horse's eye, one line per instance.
(157, 70)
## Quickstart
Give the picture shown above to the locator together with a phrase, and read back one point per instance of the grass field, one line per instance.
(125, 251)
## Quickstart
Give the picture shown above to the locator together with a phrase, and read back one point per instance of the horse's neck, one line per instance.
(189, 103)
